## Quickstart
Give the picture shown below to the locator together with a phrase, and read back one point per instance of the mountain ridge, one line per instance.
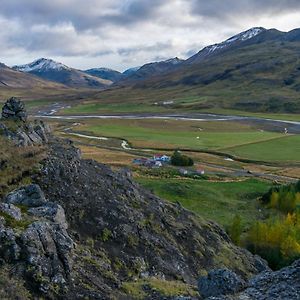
(60, 73)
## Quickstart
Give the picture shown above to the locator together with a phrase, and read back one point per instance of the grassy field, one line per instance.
(94, 108)
(172, 134)
(284, 149)
(218, 201)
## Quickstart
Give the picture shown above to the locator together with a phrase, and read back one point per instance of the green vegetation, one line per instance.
(278, 238)
(13, 223)
(17, 165)
(94, 108)
(284, 149)
(12, 287)
(284, 198)
(218, 201)
(235, 230)
(178, 159)
(138, 289)
(172, 134)
(106, 234)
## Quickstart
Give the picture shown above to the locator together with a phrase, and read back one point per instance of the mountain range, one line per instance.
(256, 70)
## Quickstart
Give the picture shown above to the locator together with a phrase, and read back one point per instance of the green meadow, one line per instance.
(218, 201)
(237, 139)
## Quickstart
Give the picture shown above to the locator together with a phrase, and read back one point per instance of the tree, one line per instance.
(235, 230)
(178, 159)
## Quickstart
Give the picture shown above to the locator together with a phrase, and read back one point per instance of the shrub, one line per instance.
(178, 159)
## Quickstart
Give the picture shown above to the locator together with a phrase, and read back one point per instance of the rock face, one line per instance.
(38, 244)
(220, 282)
(280, 285)
(27, 134)
(14, 109)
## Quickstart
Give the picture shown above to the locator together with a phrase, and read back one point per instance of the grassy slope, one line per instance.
(218, 201)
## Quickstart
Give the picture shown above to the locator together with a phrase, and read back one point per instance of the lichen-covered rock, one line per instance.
(220, 282)
(51, 211)
(14, 109)
(43, 249)
(9, 248)
(283, 284)
(27, 134)
(30, 195)
(47, 249)
(11, 210)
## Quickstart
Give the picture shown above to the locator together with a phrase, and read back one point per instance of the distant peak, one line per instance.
(243, 36)
(174, 60)
(41, 64)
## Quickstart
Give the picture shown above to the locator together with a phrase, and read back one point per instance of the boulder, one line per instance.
(51, 211)
(14, 109)
(30, 195)
(220, 282)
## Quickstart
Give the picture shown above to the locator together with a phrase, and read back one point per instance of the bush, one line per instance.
(235, 230)
(285, 198)
(178, 159)
(276, 240)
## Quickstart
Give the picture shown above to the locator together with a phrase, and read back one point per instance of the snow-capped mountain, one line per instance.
(105, 73)
(58, 72)
(41, 65)
(235, 41)
(10, 78)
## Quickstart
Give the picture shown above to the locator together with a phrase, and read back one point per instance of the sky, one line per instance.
(120, 34)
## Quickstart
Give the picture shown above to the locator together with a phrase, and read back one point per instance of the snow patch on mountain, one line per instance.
(246, 35)
(41, 65)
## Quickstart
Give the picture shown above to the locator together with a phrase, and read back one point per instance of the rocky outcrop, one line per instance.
(129, 233)
(14, 109)
(26, 134)
(37, 242)
(21, 132)
(280, 285)
(30, 195)
(220, 282)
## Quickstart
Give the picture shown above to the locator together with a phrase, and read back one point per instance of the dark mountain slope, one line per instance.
(151, 70)
(105, 73)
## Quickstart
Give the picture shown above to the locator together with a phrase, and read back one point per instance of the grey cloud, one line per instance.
(233, 8)
(144, 48)
(84, 15)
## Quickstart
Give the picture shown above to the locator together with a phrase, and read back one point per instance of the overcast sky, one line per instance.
(125, 33)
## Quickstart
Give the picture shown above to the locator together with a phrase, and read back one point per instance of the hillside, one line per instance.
(257, 70)
(150, 70)
(104, 73)
(57, 72)
(10, 78)
(73, 228)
